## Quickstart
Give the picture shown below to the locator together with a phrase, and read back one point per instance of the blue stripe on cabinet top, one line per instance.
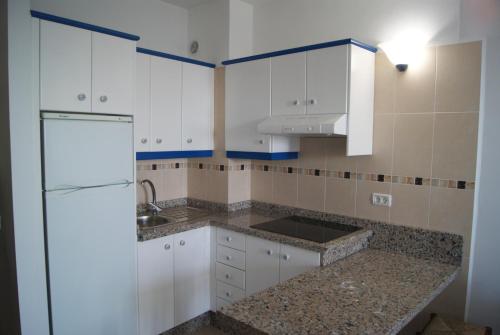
(142, 156)
(83, 25)
(301, 49)
(267, 156)
(174, 57)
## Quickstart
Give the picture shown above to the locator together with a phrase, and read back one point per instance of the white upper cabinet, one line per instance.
(142, 115)
(327, 80)
(65, 68)
(113, 74)
(197, 107)
(84, 71)
(166, 115)
(288, 78)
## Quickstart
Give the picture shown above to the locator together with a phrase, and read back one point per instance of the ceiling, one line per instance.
(193, 3)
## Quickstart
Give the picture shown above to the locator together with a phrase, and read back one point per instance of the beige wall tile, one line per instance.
(451, 210)
(364, 207)
(285, 187)
(455, 146)
(383, 138)
(262, 186)
(336, 159)
(175, 183)
(219, 109)
(198, 184)
(312, 153)
(415, 88)
(311, 193)
(144, 192)
(458, 77)
(413, 145)
(385, 84)
(239, 186)
(410, 205)
(217, 186)
(340, 196)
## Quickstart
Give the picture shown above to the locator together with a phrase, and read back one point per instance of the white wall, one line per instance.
(240, 29)
(208, 24)
(162, 26)
(280, 24)
(26, 174)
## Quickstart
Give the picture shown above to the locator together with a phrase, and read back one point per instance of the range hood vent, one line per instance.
(302, 125)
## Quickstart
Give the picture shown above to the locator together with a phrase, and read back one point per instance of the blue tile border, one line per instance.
(141, 156)
(174, 57)
(83, 25)
(269, 156)
(301, 49)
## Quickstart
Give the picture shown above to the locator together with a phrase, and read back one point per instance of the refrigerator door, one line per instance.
(86, 152)
(91, 251)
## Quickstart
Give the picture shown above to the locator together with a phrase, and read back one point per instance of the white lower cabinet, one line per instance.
(156, 285)
(294, 261)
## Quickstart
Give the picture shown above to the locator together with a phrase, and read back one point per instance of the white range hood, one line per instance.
(300, 125)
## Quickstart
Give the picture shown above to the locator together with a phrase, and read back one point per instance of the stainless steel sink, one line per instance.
(150, 221)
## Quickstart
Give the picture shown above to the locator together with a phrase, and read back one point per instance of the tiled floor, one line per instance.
(208, 331)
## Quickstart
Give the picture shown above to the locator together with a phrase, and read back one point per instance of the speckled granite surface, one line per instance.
(370, 292)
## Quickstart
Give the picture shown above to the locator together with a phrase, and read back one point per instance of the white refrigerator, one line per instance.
(90, 228)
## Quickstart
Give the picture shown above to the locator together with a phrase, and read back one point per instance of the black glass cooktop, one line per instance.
(307, 229)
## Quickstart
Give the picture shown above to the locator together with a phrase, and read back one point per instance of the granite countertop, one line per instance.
(241, 221)
(370, 292)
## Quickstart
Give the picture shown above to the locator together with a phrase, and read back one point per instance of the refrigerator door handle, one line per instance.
(75, 188)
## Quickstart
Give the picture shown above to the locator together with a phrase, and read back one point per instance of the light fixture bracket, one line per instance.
(402, 67)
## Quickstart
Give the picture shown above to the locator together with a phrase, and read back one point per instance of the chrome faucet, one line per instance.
(152, 205)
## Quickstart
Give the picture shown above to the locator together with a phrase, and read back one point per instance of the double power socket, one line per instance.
(379, 199)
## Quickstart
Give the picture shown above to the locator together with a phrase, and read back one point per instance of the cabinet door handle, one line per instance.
(296, 102)
(269, 252)
(81, 97)
(144, 140)
(229, 239)
(103, 98)
(228, 276)
(286, 257)
(166, 246)
(228, 294)
(228, 258)
(189, 140)
(261, 141)
(313, 102)
(159, 140)
(182, 242)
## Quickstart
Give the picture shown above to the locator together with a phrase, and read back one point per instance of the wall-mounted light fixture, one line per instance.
(407, 49)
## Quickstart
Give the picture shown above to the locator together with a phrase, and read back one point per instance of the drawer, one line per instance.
(229, 293)
(230, 275)
(231, 239)
(231, 257)
(222, 303)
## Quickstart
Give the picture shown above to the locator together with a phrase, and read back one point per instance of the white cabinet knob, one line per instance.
(309, 128)
(228, 294)
(144, 140)
(228, 258)
(228, 276)
(296, 102)
(261, 141)
(286, 257)
(313, 102)
(159, 140)
(229, 239)
(81, 97)
(182, 242)
(269, 252)
(189, 140)
(166, 246)
(103, 98)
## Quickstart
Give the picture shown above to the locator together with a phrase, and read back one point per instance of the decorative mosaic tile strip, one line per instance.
(219, 167)
(382, 178)
(162, 166)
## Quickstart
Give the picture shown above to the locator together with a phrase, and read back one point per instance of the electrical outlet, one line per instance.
(379, 199)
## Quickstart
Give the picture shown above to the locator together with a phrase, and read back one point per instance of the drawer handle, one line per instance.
(229, 258)
(229, 239)
(286, 257)
(167, 246)
(269, 252)
(228, 294)
(228, 276)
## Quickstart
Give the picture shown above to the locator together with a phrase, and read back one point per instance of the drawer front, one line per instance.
(231, 239)
(222, 303)
(229, 293)
(230, 275)
(231, 257)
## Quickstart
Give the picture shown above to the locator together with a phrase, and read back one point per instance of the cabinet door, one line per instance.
(295, 261)
(65, 68)
(166, 85)
(197, 107)
(156, 285)
(327, 80)
(191, 274)
(263, 264)
(248, 102)
(113, 74)
(142, 112)
(288, 84)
